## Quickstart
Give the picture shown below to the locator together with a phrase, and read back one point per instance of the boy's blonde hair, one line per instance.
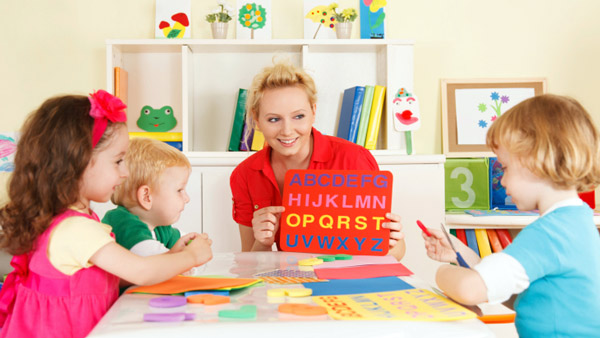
(554, 137)
(282, 74)
(146, 159)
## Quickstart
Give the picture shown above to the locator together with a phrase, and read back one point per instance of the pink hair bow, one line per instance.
(105, 107)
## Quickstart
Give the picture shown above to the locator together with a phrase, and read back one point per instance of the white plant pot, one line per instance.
(343, 30)
(219, 30)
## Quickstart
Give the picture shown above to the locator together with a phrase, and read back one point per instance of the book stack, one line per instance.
(242, 137)
(360, 115)
(173, 139)
(484, 241)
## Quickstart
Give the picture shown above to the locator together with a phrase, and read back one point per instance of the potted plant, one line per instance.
(219, 20)
(344, 20)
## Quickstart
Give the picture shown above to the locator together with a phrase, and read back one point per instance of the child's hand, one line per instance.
(200, 248)
(182, 242)
(265, 224)
(395, 227)
(438, 247)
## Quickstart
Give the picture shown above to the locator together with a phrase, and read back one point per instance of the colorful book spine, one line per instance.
(349, 111)
(258, 141)
(246, 141)
(483, 243)
(120, 83)
(238, 121)
(504, 237)
(365, 112)
(494, 240)
(356, 111)
(167, 136)
(460, 234)
(375, 117)
(177, 145)
(472, 240)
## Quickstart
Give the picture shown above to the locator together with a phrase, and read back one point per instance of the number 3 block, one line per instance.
(467, 183)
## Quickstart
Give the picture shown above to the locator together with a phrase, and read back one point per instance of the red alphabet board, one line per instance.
(336, 211)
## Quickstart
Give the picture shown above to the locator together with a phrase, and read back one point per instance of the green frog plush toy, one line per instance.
(156, 119)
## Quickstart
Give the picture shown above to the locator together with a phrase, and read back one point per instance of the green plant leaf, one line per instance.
(379, 20)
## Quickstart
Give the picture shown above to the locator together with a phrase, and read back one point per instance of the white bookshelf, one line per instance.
(200, 79)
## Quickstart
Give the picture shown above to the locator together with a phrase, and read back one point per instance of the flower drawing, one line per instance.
(496, 104)
(482, 123)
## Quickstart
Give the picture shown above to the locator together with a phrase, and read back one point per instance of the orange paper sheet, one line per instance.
(179, 284)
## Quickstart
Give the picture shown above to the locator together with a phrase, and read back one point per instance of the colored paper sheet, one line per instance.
(352, 286)
(409, 305)
(364, 271)
(291, 280)
(179, 284)
(287, 273)
(208, 292)
(358, 260)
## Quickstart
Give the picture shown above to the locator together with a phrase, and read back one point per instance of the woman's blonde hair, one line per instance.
(554, 137)
(282, 74)
(146, 159)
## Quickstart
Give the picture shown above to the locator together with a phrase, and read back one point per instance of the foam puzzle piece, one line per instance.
(164, 317)
(244, 312)
(302, 309)
(343, 257)
(276, 293)
(327, 258)
(167, 301)
(208, 299)
(296, 292)
(310, 262)
(299, 292)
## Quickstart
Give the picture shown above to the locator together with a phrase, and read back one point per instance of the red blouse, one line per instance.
(253, 183)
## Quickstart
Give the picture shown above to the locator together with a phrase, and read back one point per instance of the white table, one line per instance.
(124, 319)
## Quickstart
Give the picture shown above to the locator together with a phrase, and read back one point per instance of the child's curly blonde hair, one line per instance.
(146, 159)
(554, 137)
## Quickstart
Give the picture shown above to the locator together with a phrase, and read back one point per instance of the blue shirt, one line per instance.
(561, 255)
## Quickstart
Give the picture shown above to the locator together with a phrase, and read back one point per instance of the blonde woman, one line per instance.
(282, 105)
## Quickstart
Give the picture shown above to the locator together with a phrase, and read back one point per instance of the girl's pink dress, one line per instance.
(37, 300)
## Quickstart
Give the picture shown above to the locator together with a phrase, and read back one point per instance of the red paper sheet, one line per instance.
(364, 271)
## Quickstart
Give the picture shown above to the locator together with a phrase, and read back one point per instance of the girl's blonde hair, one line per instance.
(146, 159)
(554, 137)
(282, 74)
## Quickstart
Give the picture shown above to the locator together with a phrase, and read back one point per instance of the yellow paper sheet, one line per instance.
(409, 305)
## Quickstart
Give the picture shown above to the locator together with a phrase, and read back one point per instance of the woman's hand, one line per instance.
(395, 227)
(265, 223)
(397, 245)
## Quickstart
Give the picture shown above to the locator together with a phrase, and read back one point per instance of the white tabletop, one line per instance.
(124, 319)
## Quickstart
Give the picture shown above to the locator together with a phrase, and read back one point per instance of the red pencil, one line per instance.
(423, 228)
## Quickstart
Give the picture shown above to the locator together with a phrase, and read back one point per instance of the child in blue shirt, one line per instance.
(549, 149)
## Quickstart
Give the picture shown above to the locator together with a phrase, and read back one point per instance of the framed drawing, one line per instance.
(470, 106)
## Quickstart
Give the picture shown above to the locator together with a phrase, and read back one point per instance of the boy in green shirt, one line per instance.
(151, 199)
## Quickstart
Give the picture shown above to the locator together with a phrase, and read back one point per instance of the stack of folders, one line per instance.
(360, 116)
(242, 137)
(484, 241)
